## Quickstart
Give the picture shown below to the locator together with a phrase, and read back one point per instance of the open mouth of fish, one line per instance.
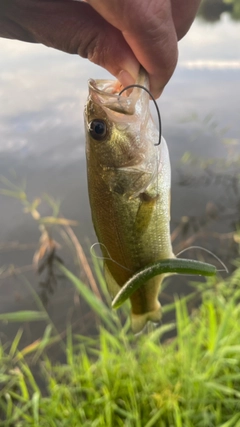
(106, 92)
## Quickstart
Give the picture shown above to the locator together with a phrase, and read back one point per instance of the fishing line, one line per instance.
(155, 103)
(105, 258)
(209, 252)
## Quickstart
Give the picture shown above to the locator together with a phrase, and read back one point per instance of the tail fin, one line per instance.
(140, 320)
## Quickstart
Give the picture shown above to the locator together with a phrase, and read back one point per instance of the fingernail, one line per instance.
(156, 92)
(157, 86)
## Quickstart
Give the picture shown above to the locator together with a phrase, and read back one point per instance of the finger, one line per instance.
(183, 13)
(148, 28)
(73, 27)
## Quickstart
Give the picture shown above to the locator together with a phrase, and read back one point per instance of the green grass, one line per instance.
(117, 379)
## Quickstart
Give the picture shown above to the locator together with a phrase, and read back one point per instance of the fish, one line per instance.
(129, 184)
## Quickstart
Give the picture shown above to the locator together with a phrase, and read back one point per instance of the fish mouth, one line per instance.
(106, 93)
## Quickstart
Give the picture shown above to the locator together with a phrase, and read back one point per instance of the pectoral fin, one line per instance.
(145, 211)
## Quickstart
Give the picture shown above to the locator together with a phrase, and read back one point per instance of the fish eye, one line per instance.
(98, 129)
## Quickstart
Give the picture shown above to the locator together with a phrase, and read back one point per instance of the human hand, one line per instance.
(117, 35)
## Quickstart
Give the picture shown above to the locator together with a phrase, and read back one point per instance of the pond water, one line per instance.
(43, 93)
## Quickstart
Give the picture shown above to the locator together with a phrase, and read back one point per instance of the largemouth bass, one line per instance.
(129, 190)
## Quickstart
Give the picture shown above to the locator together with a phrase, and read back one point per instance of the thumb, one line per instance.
(104, 44)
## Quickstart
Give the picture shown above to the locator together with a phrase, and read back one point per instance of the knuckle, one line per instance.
(88, 45)
(99, 50)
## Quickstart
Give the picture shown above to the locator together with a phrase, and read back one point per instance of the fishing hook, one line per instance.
(155, 103)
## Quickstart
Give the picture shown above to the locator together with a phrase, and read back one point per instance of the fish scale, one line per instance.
(129, 190)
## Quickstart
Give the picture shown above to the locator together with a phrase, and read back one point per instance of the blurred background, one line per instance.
(44, 208)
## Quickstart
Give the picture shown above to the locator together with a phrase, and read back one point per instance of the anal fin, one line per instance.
(139, 321)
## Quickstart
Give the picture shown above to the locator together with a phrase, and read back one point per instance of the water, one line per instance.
(42, 95)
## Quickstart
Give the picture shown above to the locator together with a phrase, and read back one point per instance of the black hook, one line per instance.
(158, 112)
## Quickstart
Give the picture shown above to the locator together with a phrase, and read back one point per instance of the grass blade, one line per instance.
(23, 316)
(97, 305)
